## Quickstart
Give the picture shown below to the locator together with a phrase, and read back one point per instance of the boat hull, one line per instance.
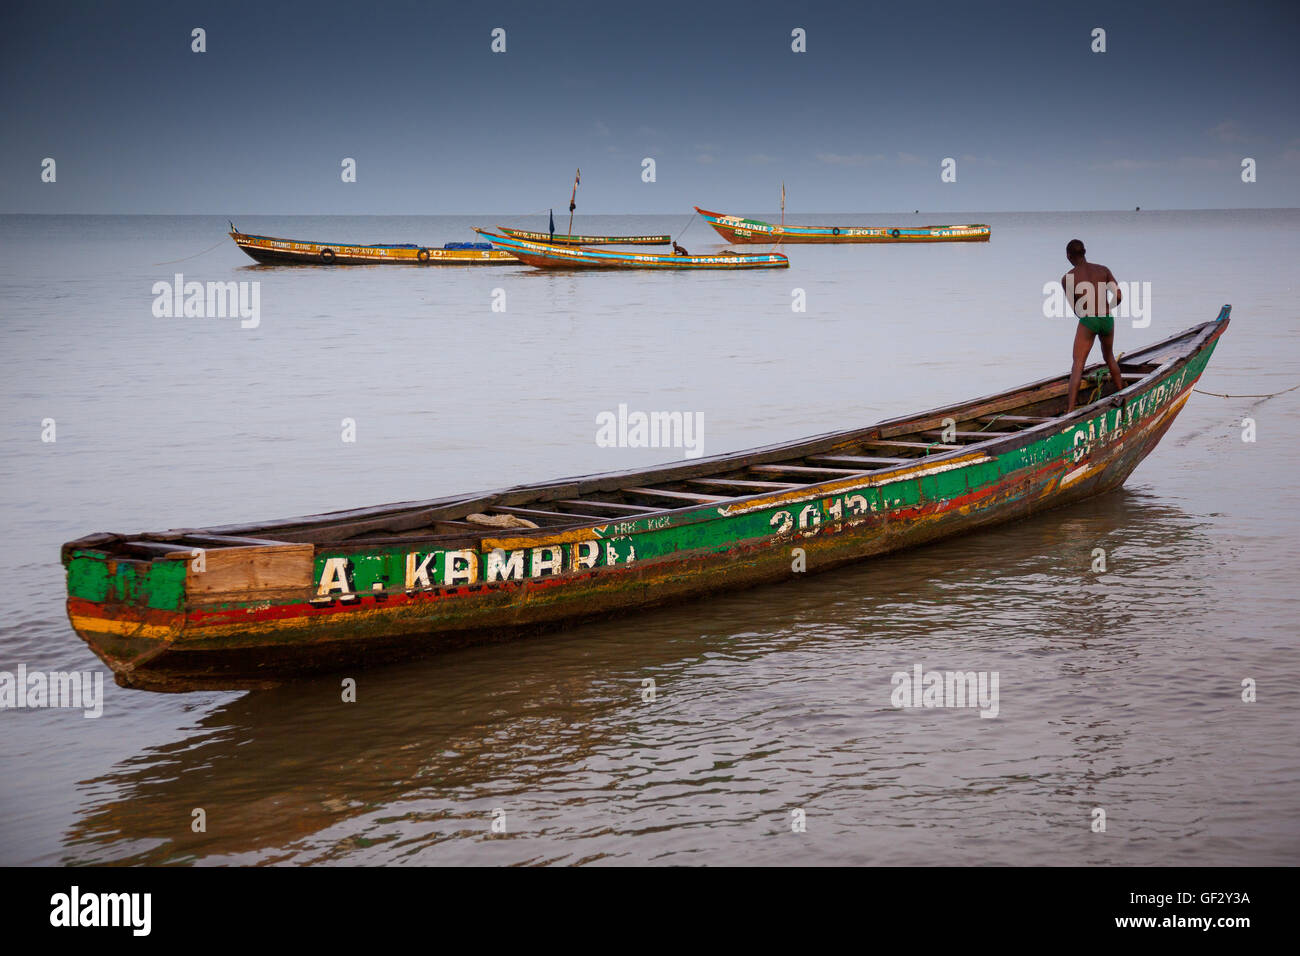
(269, 250)
(755, 231)
(561, 239)
(545, 256)
(286, 610)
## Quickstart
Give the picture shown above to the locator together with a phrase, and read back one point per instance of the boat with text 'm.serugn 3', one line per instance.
(561, 239)
(546, 256)
(253, 604)
(735, 229)
(269, 250)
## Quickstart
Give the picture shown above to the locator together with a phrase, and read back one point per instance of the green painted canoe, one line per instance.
(251, 605)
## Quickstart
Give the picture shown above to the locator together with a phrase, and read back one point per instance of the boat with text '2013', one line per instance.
(547, 256)
(251, 605)
(735, 229)
(272, 251)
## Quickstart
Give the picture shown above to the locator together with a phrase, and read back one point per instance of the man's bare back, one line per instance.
(1089, 284)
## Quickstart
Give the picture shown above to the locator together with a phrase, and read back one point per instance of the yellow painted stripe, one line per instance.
(104, 625)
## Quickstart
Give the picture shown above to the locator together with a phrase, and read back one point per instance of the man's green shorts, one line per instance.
(1099, 325)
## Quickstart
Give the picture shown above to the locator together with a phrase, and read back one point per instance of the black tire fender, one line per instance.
(327, 256)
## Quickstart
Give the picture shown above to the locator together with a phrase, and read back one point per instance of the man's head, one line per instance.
(1074, 251)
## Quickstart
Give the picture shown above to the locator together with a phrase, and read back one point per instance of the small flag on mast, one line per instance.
(552, 223)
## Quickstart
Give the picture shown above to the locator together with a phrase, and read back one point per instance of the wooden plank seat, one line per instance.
(611, 507)
(930, 446)
(969, 437)
(539, 514)
(676, 496)
(1016, 419)
(741, 484)
(866, 462)
(803, 471)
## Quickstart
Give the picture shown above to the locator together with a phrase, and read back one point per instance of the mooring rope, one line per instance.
(689, 222)
(1269, 395)
(525, 215)
(187, 258)
(1097, 377)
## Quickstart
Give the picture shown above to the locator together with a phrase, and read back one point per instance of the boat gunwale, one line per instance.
(1195, 338)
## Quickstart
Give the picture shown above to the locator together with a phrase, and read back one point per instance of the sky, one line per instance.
(440, 124)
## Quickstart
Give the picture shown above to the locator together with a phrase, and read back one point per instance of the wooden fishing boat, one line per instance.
(560, 239)
(273, 251)
(735, 229)
(251, 604)
(546, 256)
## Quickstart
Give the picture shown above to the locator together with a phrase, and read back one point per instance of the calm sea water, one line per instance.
(1120, 691)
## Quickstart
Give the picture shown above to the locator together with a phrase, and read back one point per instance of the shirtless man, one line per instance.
(1089, 285)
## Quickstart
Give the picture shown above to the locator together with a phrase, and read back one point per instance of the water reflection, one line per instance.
(762, 697)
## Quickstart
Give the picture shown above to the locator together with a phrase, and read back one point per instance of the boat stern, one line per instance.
(128, 610)
(145, 607)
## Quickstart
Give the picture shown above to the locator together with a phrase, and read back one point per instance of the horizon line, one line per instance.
(408, 215)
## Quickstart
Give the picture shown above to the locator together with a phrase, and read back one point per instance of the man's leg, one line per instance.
(1082, 346)
(1107, 352)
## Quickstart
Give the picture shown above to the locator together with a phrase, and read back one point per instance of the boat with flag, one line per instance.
(572, 239)
(738, 230)
(544, 255)
(562, 239)
(250, 605)
(270, 250)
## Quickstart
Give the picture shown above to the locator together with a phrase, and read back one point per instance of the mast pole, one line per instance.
(573, 199)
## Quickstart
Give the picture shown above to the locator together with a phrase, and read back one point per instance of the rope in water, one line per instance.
(1097, 378)
(187, 258)
(1269, 395)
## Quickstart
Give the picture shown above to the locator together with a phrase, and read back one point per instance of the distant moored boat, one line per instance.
(547, 256)
(273, 251)
(735, 229)
(560, 239)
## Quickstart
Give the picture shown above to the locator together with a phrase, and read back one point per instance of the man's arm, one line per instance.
(1112, 284)
(1067, 283)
